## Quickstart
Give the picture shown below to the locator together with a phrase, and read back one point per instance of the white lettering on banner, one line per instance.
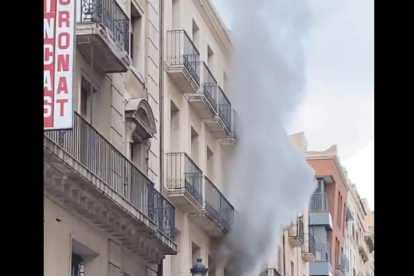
(59, 32)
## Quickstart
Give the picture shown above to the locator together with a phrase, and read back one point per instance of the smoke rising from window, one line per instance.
(270, 181)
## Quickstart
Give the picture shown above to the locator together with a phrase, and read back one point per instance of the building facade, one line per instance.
(297, 247)
(361, 235)
(104, 212)
(197, 129)
(328, 213)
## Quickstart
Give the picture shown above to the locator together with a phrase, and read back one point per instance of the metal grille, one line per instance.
(86, 145)
(319, 203)
(182, 172)
(224, 109)
(217, 205)
(182, 51)
(209, 86)
(110, 15)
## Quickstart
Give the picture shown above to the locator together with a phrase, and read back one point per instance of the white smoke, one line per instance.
(270, 182)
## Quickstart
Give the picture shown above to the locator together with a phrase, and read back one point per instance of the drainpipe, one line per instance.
(161, 93)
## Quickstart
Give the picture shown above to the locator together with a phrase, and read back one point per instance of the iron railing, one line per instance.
(297, 229)
(319, 203)
(182, 51)
(183, 173)
(323, 252)
(110, 15)
(209, 86)
(271, 272)
(217, 205)
(310, 244)
(224, 108)
(86, 145)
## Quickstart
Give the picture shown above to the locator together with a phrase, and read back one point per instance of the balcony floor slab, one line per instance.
(205, 221)
(96, 46)
(73, 187)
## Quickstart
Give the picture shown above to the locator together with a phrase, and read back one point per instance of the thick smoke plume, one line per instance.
(270, 182)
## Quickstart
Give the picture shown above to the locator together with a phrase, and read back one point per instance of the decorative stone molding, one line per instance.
(140, 120)
(215, 24)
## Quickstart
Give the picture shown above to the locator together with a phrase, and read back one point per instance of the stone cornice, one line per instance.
(215, 24)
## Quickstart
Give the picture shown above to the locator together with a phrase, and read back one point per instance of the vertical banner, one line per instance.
(59, 30)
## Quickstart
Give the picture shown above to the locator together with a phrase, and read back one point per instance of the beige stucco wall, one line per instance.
(360, 225)
(65, 233)
(115, 90)
(189, 233)
(108, 116)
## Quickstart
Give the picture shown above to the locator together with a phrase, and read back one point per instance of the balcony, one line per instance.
(184, 182)
(342, 267)
(102, 35)
(217, 216)
(195, 195)
(319, 214)
(220, 126)
(297, 233)
(363, 251)
(204, 101)
(309, 248)
(271, 272)
(85, 174)
(232, 139)
(322, 265)
(369, 239)
(182, 61)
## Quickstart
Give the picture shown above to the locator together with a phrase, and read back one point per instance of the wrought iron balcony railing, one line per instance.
(297, 229)
(217, 205)
(182, 172)
(86, 145)
(311, 244)
(225, 110)
(319, 203)
(209, 86)
(110, 15)
(182, 51)
(323, 251)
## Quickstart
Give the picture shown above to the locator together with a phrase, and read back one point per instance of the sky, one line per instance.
(338, 103)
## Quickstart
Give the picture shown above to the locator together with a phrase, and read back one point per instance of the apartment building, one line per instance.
(198, 127)
(361, 236)
(104, 213)
(328, 213)
(297, 247)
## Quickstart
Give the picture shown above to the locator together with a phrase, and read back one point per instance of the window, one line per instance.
(210, 59)
(210, 164)
(136, 45)
(176, 14)
(225, 81)
(77, 265)
(319, 189)
(88, 100)
(196, 35)
(195, 139)
(87, 96)
(292, 268)
(338, 219)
